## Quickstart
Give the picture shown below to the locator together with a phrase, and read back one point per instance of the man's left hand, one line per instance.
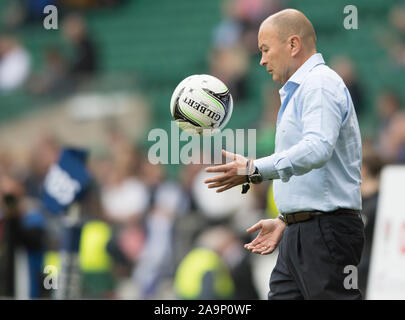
(234, 173)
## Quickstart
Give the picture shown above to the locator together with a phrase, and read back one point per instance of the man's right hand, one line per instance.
(271, 231)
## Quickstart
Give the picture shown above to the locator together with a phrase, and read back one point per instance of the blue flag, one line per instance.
(66, 180)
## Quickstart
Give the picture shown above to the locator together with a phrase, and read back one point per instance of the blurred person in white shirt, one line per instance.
(15, 63)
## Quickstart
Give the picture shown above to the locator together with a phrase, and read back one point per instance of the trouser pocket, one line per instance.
(344, 237)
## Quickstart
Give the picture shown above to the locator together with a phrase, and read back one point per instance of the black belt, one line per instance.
(302, 216)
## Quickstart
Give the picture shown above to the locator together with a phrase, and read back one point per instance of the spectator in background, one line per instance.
(230, 248)
(19, 12)
(6, 161)
(53, 79)
(15, 63)
(190, 222)
(241, 18)
(228, 33)
(216, 269)
(124, 200)
(84, 64)
(266, 132)
(370, 171)
(22, 226)
(391, 139)
(230, 64)
(10, 239)
(156, 262)
(397, 44)
(44, 153)
(251, 13)
(345, 68)
(97, 279)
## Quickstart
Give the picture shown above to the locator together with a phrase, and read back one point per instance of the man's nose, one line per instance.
(263, 62)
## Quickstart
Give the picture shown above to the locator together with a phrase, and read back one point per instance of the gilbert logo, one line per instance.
(202, 109)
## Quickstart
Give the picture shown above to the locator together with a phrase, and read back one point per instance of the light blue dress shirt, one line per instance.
(317, 159)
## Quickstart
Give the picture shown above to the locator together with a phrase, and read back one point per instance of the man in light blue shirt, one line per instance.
(318, 143)
(316, 168)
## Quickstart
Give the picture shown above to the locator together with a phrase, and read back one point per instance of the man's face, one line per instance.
(275, 54)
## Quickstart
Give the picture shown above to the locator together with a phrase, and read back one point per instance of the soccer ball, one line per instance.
(201, 104)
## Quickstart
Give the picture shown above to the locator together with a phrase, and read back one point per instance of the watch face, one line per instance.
(256, 178)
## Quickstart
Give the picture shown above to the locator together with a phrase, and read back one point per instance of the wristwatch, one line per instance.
(282, 218)
(252, 176)
(255, 177)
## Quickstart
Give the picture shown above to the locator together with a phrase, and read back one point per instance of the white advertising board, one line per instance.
(387, 266)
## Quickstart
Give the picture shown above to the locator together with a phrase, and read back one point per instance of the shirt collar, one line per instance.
(299, 75)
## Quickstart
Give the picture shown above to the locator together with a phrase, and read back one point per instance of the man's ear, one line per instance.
(294, 44)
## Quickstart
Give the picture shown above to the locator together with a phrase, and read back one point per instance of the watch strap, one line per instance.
(249, 169)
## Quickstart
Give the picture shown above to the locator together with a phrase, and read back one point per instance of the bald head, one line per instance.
(286, 40)
(290, 22)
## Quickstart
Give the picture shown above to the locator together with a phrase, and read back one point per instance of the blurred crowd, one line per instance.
(60, 73)
(143, 235)
(136, 226)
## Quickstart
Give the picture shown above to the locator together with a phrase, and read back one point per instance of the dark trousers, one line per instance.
(313, 256)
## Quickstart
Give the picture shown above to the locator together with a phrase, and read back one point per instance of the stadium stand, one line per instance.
(143, 39)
